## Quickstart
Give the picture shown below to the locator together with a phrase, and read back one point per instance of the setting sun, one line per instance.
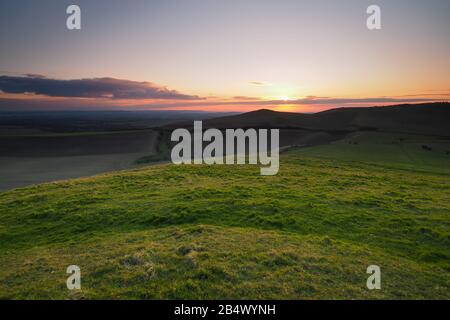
(285, 98)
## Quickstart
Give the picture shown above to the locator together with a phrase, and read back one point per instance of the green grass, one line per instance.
(169, 231)
(397, 150)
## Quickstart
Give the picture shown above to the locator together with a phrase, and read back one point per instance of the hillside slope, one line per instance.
(196, 232)
(428, 119)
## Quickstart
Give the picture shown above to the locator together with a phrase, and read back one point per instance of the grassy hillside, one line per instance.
(168, 231)
(426, 118)
(409, 151)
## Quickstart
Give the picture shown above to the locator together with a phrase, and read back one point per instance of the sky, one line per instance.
(222, 55)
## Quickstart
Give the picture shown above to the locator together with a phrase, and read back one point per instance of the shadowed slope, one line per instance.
(431, 119)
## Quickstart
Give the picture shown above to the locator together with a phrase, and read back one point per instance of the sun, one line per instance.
(284, 98)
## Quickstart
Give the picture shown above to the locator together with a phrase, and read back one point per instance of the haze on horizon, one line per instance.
(234, 55)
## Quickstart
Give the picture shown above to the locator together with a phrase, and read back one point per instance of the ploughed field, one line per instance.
(210, 232)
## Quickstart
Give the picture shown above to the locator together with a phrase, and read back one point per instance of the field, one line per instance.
(192, 232)
(32, 159)
(37, 147)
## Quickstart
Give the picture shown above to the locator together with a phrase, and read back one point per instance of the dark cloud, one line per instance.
(112, 90)
(89, 88)
(34, 75)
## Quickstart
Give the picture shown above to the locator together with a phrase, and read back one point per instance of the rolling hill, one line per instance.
(426, 119)
(300, 129)
(209, 232)
(225, 232)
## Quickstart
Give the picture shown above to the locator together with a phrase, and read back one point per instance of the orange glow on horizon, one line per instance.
(309, 104)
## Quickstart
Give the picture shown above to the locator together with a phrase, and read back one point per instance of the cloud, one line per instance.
(37, 92)
(338, 101)
(246, 98)
(34, 75)
(89, 88)
(9, 103)
(260, 83)
(313, 101)
(315, 97)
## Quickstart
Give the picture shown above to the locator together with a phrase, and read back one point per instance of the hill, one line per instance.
(306, 130)
(374, 193)
(427, 119)
(195, 232)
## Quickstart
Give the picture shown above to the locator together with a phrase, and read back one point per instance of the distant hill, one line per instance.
(303, 129)
(428, 119)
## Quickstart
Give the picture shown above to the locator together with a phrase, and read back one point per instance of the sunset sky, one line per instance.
(226, 55)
